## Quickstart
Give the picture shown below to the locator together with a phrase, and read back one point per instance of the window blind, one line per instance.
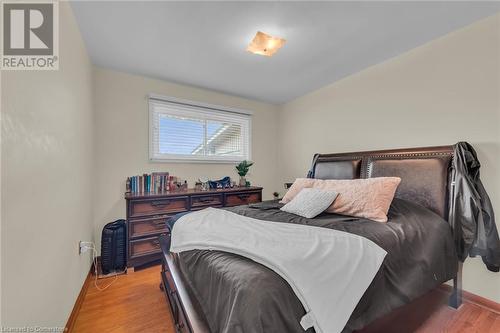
(186, 132)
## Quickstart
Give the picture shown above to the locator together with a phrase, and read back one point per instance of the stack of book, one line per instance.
(154, 183)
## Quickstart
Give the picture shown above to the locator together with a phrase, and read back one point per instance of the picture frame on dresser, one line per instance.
(147, 214)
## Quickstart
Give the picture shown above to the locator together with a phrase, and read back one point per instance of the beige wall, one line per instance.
(47, 158)
(121, 107)
(443, 92)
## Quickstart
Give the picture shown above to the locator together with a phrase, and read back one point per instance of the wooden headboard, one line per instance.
(426, 173)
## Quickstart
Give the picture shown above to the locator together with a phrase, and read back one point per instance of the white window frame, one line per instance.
(194, 108)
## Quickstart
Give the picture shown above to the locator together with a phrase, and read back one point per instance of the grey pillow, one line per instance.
(310, 202)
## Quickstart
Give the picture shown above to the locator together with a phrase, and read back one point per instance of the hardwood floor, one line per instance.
(431, 314)
(134, 303)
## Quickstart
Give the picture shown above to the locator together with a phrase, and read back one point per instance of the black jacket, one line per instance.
(471, 212)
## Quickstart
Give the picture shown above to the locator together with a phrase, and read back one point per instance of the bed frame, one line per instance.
(427, 178)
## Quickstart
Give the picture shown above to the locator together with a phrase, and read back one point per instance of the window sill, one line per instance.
(188, 161)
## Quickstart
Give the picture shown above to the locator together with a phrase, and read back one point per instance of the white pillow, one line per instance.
(310, 202)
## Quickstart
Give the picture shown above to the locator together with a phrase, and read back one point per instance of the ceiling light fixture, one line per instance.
(265, 44)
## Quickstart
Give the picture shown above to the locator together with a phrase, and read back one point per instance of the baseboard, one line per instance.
(475, 299)
(79, 301)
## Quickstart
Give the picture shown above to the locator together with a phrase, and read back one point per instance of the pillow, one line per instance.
(310, 202)
(369, 198)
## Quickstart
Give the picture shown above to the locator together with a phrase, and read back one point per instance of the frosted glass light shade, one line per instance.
(265, 44)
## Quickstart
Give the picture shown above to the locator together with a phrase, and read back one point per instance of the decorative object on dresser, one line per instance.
(147, 214)
(243, 167)
(221, 183)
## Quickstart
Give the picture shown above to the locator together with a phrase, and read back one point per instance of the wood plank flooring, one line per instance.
(431, 314)
(134, 303)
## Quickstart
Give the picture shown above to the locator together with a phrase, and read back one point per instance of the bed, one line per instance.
(214, 291)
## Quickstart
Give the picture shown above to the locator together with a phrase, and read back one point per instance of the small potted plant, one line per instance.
(242, 169)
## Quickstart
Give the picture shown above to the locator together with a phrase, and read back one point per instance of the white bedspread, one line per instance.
(328, 270)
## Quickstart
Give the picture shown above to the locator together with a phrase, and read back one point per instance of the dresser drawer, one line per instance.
(209, 200)
(158, 206)
(144, 247)
(236, 199)
(148, 226)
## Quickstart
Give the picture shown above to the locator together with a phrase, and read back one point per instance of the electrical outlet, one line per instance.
(84, 247)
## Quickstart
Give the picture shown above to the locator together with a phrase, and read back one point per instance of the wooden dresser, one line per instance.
(147, 214)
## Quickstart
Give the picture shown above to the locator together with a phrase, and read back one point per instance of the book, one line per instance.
(159, 182)
(154, 183)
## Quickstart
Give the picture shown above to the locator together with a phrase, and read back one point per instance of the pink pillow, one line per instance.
(369, 198)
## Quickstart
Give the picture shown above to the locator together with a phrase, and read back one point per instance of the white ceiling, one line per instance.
(203, 43)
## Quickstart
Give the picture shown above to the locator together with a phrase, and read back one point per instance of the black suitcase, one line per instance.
(113, 247)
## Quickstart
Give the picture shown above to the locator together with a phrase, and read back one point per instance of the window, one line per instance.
(188, 131)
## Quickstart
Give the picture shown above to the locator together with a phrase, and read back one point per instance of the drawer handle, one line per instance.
(160, 203)
(156, 243)
(159, 222)
(244, 196)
